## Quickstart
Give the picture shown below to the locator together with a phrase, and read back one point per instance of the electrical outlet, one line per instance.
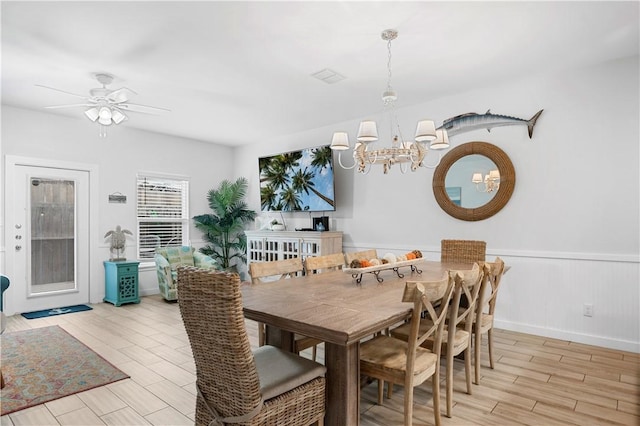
(587, 310)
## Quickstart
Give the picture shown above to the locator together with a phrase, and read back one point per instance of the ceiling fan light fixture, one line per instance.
(118, 117)
(92, 113)
(106, 106)
(105, 113)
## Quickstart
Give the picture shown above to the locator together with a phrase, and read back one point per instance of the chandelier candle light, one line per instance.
(401, 152)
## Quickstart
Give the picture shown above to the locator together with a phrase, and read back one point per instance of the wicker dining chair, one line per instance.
(462, 251)
(329, 262)
(486, 308)
(457, 337)
(235, 385)
(405, 362)
(281, 269)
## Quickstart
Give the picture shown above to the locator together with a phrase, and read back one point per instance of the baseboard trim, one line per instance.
(606, 342)
(148, 291)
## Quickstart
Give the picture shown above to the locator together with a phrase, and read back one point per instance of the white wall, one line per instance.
(571, 229)
(119, 157)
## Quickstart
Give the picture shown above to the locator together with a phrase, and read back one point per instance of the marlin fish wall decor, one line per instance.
(473, 121)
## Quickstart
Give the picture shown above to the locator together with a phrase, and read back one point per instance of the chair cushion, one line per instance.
(281, 371)
(177, 256)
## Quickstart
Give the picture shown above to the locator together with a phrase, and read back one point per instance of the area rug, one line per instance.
(56, 311)
(43, 364)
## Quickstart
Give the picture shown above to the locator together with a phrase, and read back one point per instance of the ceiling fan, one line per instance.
(106, 106)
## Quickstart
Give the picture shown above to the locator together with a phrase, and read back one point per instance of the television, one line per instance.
(300, 180)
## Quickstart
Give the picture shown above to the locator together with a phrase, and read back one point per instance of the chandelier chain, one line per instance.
(389, 65)
(389, 103)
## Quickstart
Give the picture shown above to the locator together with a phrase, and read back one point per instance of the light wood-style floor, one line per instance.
(537, 381)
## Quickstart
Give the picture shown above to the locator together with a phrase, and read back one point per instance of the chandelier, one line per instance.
(404, 153)
(489, 183)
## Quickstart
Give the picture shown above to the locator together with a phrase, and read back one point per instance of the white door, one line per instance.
(49, 237)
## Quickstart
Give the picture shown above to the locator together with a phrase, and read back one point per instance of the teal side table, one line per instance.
(121, 282)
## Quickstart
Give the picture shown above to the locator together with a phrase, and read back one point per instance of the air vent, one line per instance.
(328, 76)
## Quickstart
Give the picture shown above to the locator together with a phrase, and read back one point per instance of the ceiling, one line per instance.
(234, 73)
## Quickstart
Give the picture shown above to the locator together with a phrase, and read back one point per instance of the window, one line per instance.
(163, 213)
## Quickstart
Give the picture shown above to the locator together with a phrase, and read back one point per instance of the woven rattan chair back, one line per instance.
(228, 375)
(329, 262)
(366, 254)
(280, 269)
(485, 311)
(211, 308)
(462, 251)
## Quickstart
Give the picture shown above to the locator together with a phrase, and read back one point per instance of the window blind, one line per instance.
(163, 214)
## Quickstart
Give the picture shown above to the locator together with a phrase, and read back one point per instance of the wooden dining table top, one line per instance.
(332, 307)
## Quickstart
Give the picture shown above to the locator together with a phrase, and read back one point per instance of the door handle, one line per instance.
(18, 248)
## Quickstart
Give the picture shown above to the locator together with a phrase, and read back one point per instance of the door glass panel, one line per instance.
(52, 235)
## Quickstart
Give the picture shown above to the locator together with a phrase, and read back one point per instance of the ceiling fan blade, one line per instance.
(143, 108)
(120, 95)
(63, 91)
(69, 106)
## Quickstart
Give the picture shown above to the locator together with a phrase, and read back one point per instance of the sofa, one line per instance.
(168, 259)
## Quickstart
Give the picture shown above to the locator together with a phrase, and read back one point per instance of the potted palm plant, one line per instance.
(224, 228)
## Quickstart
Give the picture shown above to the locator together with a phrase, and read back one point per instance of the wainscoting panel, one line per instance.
(544, 294)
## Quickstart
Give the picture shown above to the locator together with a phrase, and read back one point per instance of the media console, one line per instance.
(267, 246)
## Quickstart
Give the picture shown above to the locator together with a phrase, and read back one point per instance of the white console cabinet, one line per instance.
(267, 246)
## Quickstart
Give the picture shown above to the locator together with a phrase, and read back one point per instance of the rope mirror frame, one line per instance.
(500, 199)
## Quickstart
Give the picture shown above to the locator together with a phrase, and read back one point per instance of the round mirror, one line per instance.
(475, 176)
(474, 181)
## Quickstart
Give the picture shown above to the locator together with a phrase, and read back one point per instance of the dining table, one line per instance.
(334, 308)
